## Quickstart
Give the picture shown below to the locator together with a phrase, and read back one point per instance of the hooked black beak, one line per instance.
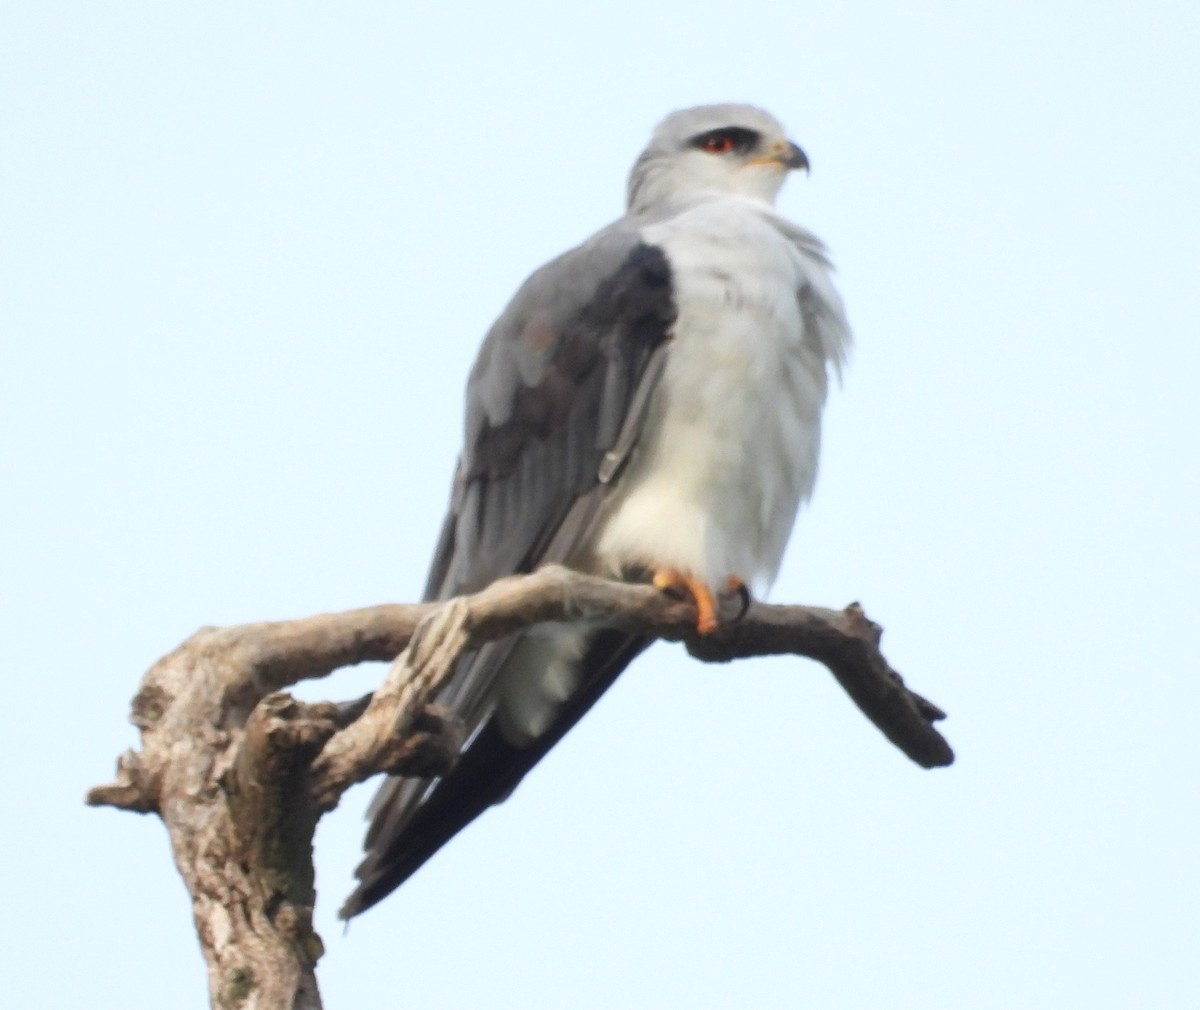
(795, 158)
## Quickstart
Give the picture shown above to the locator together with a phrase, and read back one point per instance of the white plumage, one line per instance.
(731, 440)
(732, 435)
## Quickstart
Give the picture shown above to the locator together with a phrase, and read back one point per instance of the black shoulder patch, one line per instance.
(630, 314)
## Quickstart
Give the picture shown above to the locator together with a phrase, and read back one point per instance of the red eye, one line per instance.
(720, 144)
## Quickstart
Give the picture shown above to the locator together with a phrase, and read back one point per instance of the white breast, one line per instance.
(730, 446)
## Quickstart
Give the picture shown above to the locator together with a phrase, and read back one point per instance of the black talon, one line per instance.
(743, 592)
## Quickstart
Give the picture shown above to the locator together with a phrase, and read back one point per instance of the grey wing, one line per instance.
(547, 398)
(554, 403)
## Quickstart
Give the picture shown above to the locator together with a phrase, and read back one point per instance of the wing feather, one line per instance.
(549, 398)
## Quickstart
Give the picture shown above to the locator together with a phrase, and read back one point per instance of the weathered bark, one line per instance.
(240, 773)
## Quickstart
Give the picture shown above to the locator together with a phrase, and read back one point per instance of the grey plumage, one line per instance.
(577, 380)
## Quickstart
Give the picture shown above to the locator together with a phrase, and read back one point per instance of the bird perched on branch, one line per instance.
(647, 406)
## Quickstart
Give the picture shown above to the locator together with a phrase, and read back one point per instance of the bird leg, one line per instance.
(706, 608)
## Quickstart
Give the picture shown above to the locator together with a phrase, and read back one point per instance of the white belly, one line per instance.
(730, 446)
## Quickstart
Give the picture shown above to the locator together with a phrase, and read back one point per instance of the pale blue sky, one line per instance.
(246, 257)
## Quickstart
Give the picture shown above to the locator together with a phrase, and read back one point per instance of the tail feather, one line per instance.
(491, 767)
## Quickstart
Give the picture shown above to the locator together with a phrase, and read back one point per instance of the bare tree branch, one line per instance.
(240, 773)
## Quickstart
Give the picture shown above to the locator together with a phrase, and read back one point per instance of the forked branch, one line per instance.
(240, 774)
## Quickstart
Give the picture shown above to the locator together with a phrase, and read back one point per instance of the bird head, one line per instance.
(712, 150)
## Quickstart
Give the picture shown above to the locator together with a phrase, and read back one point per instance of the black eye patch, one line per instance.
(726, 140)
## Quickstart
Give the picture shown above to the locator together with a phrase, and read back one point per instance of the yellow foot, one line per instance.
(706, 609)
